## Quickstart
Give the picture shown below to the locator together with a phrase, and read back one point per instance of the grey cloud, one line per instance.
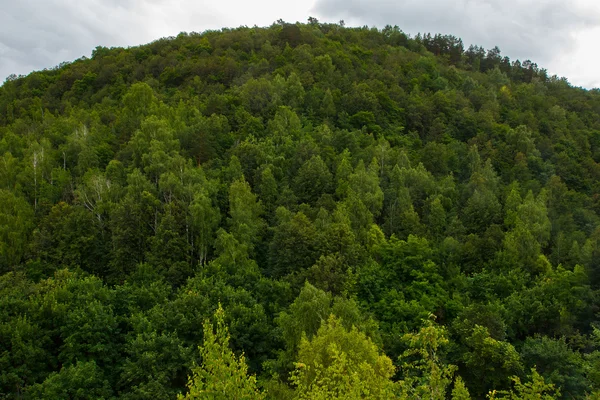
(524, 29)
(36, 33)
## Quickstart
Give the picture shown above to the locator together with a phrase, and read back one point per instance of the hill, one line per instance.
(363, 214)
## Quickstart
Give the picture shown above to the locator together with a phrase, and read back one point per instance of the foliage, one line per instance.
(424, 375)
(535, 389)
(290, 173)
(222, 375)
(341, 364)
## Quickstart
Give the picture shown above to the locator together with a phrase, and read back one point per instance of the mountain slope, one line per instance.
(288, 173)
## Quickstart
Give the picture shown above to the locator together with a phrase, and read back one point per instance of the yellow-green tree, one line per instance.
(222, 375)
(425, 375)
(341, 364)
(536, 389)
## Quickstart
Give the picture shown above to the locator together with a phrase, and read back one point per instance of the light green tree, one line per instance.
(83, 380)
(536, 389)
(460, 391)
(205, 220)
(245, 210)
(425, 375)
(341, 364)
(365, 183)
(222, 375)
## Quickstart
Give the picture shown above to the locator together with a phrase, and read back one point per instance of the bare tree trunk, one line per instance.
(35, 164)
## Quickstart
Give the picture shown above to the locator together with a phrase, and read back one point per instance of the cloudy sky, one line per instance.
(560, 35)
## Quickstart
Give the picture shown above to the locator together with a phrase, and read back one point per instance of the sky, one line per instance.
(558, 35)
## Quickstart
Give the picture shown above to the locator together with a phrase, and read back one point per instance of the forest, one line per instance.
(299, 211)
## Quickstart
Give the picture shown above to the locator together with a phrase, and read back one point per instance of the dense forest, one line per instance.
(301, 211)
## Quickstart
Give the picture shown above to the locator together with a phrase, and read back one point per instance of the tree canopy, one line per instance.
(324, 211)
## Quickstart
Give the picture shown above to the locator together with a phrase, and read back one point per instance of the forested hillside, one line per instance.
(303, 211)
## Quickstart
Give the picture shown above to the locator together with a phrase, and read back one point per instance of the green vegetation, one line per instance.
(325, 212)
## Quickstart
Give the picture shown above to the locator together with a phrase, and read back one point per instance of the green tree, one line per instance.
(313, 180)
(365, 183)
(25, 357)
(488, 362)
(81, 381)
(558, 364)
(169, 249)
(8, 171)
(482, 210)
(156, 359)
(16, 222)
(205, 219)
(233, 263)
(294, 245)
(245, 212)
(139, 101)
(268, 189)
(436, 218)
(133, 221)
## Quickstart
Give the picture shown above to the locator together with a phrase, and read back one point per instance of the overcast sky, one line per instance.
(560, 35)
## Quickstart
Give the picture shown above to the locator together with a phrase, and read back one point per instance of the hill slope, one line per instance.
(288, 173)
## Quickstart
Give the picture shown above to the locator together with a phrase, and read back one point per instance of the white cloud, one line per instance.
(580, 62)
